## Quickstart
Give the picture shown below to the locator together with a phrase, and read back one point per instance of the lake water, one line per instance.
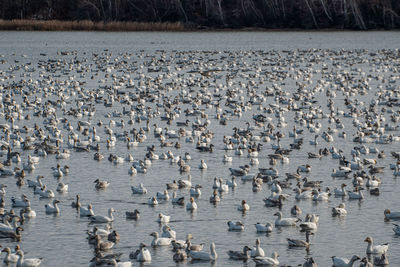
(61, 240)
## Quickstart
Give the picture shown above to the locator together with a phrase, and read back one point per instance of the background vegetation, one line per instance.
(305, 14)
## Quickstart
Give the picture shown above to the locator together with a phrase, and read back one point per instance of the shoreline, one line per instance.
(85, 25)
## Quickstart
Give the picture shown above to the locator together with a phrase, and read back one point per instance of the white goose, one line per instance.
(54, 209)
(340, 192)
(62, 188)
(160, 241)
(222, 187)
(302, 195)
(191, 205)
(339, 210)
(243, 206)
(20, 203)
(257, 251)
(168, 232)
(10, 258)
(308, 224)
(232, 183)
(185, 183)
(152, 201)
(357, 194)
(33, 262)
(284, 221)
(143, 255)
(162, 218)
(6, 227)
(38, 182)
(202, 165)
(343, 262)
(201, 255)
(226, 159)
(58, 172)
(237, 226)
(273, 260)
(86, 211)
(378, 249)
(139, 189)
(267, 228)
(132, 171)
(29, 213)
(46, 193)
(163, 196)
(103, 219)
(320, 196)
(195, 191)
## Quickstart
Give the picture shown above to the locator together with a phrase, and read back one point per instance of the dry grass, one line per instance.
(86, 25)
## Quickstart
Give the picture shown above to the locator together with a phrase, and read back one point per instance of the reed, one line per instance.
(86, 25)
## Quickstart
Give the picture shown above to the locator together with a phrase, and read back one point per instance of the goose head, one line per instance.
(7, 250)
(368, 239)
(154, 234)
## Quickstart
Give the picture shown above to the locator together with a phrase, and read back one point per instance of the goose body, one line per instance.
(237, 226)
(54, 209)
(168, 232)
(143, 255)
(377, 249)
(320, 196)
(62, 188)
(356, 195)
(37, 183)
(204, 256)
(29, 213)
(139, 189)
(33, 262)
(340, 192)
(163, 196)
(284, 221)
(191, 205)
(20, 203)
(195, 191)
(232, 183)
(302, 195)
(273, 260)
(160, 241)
(46, 193)
(10, 257)
(267, 228)
(185, 183)
(243, 206)
(339, 210)
(103, 219)
(343, 262)
(152, 201)
(162, 218)
(86, 211)
(257, 251)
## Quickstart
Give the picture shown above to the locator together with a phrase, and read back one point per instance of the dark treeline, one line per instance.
(307, 14)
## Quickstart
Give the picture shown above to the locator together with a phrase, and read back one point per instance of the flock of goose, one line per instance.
(194, 114)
